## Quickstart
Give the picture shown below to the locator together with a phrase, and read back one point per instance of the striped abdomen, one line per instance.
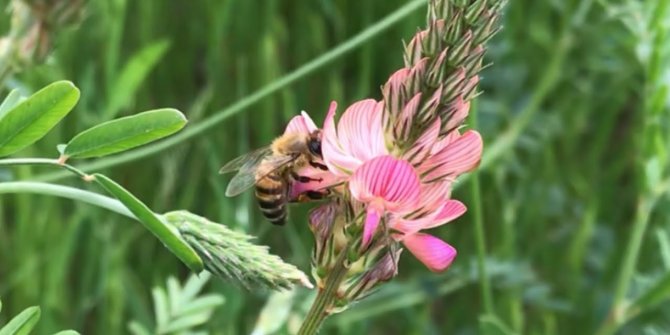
(271, 192)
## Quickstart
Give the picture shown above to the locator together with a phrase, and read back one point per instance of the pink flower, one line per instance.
(407, 189)
(386, 185)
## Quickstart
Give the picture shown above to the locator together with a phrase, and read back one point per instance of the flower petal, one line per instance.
(386, 179)
(459, 156)
(372, 219)
(360, 130)
(424, 143)
(320, 180)
(436, 254)
(457, 111)
(339, 161)
(451, 210)
(300, 124)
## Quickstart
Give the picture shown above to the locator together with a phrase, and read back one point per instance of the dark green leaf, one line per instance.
(32, 118)
(23, 323)
(12, 99)
(171, 239)
(125, 133)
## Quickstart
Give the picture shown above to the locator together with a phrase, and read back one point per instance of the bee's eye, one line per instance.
(315, 147)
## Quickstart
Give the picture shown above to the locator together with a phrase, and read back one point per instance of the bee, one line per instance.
(272, 170)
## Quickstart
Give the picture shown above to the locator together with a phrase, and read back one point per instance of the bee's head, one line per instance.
(314, 143)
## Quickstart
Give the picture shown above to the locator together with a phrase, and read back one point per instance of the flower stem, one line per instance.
(42, 161)
(324, 299)
(618, 312)
(480, 239)
(66, 192)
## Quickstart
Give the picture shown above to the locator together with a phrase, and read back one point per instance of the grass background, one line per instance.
(573, 112)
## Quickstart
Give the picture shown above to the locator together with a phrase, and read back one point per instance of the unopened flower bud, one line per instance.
(382, 271)
(321, 222)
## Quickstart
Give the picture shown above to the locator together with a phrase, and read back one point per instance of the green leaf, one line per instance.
(133, 74)
(162, 307)
(67, 332)
(193, 286)
(655, 295)
(275, 313)
(12, 99)
(203, 304)
(23, 323)
(125, 133)
(170, 238)
(0, 306)
(137, 328)
(31, 119)
(186, 323)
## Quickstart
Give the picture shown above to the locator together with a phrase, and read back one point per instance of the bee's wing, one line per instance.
(246, 161)
(246, 177)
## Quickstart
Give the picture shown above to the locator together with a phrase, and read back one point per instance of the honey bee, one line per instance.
(272, 170)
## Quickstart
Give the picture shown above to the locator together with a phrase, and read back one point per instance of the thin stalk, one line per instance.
(67, 192)
(480, 238)
(237, 107)
(43, 161)
(618, 313)
(324, 299)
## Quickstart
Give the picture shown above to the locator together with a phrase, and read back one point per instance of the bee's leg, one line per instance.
(318, 165)
(304, 179)
(312, 195)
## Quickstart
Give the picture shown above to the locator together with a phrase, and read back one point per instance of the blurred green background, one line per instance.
(573, 110)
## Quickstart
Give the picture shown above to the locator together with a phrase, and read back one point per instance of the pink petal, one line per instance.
(451, 210)
(339, 161)
(311, 126)
(360, 130)
(462, 155)
(408, 113)
(434, 209)
(371, 223)
(321, 180)
(458, 111)
(446, 140)
(393, 90)
(424, 143)
(430, 250)
(388, 179)
(300, 124)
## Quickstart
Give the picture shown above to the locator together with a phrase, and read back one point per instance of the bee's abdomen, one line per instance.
(271, 195)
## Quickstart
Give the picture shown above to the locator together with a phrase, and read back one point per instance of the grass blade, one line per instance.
(132, 76)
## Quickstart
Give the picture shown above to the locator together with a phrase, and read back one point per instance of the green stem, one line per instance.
(221, 115)
(68, 193)
(480, 239)
(618, 312)
(324, 299)
(43, 161)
